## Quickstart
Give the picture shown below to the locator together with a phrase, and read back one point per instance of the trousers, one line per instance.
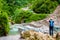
(51, 30)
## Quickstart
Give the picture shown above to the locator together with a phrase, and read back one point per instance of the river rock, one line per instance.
(32, 35)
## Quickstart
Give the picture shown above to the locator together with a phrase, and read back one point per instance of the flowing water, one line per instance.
(15, 29)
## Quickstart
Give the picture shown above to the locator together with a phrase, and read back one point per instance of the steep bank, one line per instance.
(55, 15)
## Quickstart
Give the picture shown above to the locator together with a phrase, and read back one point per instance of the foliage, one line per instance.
(10, 6)
(22, 16)
(4, 25)
(44, 6)
(36, 17)
(14, 4)
(57, 1)
(4, 6)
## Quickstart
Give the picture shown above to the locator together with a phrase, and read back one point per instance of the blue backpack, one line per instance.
(51, 23)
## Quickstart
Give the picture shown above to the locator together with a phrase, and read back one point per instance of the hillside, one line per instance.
(55, 15)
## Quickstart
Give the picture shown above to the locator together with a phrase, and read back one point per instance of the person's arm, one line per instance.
(49, 20)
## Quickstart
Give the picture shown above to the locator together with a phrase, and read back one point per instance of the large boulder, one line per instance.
(32, 35)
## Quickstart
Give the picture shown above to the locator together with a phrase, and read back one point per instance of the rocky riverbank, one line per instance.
(32, 35)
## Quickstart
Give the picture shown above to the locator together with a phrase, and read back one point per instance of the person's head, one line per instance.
(50, 19)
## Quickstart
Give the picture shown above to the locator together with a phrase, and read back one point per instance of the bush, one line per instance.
(36, 17)
(23, 16)
(57, 1)
(4, 26)
(44, 6)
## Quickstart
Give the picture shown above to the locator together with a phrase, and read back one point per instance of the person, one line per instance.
(51, 26)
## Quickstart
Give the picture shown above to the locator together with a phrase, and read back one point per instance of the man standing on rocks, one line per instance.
(51, 25)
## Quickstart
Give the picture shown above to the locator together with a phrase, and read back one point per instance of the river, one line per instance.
(16, 28)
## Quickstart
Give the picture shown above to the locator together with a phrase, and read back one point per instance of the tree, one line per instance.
(4, 25)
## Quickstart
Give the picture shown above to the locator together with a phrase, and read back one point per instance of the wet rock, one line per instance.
(12, 22)
(58, 36)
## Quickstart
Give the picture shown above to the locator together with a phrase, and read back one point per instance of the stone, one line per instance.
(33, 35)
(58, 36)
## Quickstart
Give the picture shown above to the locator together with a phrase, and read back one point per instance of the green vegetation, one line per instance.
(22, 16)
(14, 4)
(44, 6)
(4, 25)
(56, 0)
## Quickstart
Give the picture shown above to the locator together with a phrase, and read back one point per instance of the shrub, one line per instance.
(44, 6)
(57, 1)
(23, 16)
(36, 17)
(4, 26)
